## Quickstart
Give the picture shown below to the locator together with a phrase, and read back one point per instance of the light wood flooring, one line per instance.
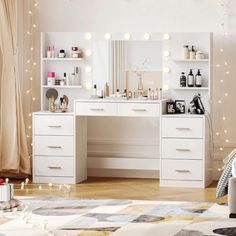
(121, 188)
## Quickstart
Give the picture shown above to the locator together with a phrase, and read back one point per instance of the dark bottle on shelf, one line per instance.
(183, 80)
(190, 78)
(198, 79)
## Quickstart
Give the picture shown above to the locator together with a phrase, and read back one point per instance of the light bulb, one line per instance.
(26, 70)
(221, 50)
(50, 184)
(225, 131)
(219, 101)
(166, 53)
(29, 127)
(31, 49)
(40, 187)
(28, 33)
(166, 70)
(28, 91)
(217, 65)
(166, 87)
(166, 36)
(30, 12)
(35, 4)
(226, 94)
(27, 136)
(226, 63)
(107, 36)
(127, 36)
(88, 36)
(28, 61)
(34, 25)
(88, 52)
(222, 81)
(30, 114)
(223, 118)
(227, 72)
(88, 69)
(33, 98)
(34, 63)
(146, 36)
(31, 78)
(226, 140)
(221, 149)
(217, 133)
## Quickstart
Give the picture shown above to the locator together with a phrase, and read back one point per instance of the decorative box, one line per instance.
(6, 192)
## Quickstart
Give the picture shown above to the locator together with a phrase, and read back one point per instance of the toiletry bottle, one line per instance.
(63, 80)
(192, 54)
(94, 92)
(156, 94)
(49, 52)
(152, 94)
(68, 80)
(106, 90)
(198, 79)
(72, 79)
(53, 52)
(190, 78)
(183, 80)
(130, 95)
(149, 94)
(77, 76)
(160, 94)
(186, 52)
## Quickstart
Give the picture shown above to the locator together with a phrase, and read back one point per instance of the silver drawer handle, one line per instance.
(54, 167)
(54, 126)
(139, 109)
(96, 109)
(55, 147)
(183, 150)
(183, 171)
(183, 128)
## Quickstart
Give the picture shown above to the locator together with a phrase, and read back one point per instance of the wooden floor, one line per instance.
(120, 188)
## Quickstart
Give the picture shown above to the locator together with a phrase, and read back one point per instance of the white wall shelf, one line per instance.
(62, 59)
(190, 60)
(189, 88)
(62, 87)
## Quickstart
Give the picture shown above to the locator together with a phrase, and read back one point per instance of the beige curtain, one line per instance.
(14, 156)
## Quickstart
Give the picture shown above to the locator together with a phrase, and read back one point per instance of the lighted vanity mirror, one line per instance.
(127, 64)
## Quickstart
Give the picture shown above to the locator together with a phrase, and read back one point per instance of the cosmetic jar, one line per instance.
(62, 54)
(51, 78)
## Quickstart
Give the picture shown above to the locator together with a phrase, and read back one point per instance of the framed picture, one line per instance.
(179, 106)
(170, 107)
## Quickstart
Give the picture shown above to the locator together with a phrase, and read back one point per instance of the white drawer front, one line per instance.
(53, 166)
(138, 110)
(95, 109)
(182, 169)
(53, 125)
(182, 127)
(54, 145)
(182, 148)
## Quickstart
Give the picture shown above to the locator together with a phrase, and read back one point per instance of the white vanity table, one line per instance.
(60, 139)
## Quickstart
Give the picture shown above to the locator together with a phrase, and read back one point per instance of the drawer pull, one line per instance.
(54, 167)
(54, 126)
(96, 109)
(139, 109)
(183, 150)
(183, 128)
(56, 147)
(183, 171)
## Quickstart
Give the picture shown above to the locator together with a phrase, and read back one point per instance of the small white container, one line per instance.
(6, 192)
(185, 52)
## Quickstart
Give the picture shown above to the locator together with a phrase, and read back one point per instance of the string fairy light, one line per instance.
(223, 135)
(30, 65)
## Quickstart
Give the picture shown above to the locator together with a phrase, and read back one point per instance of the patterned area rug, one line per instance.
(88, 217)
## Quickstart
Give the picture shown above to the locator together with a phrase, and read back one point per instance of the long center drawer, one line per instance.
(54, 145)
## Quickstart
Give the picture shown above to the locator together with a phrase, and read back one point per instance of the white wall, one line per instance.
(155, 16)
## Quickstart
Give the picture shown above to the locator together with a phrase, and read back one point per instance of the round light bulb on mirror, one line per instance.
(88, 53)
(88, 36)
(221, 50)
(219, 101)
(166, 36)
(226, 94)
(227, 72)
(226, 140)
(127, 36)
(166, 53)
(30, 12)
(225, 131)
(222, 81)
(166, 87)
(107, 36)
(147, 36)
(166, 69)
(88, 69)
(34, 25)
(223, 118)
(221, 149)
(217, 133)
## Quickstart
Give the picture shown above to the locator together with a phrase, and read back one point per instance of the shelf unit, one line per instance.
(190, 60)
(190, 88)
(64, 40)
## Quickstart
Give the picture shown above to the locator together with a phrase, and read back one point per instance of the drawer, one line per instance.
(175, 127)
(138, 110)
(182, 169)
(54, 145)
(182, 148)
(95, 109)
(53, 125)
(53, 166)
